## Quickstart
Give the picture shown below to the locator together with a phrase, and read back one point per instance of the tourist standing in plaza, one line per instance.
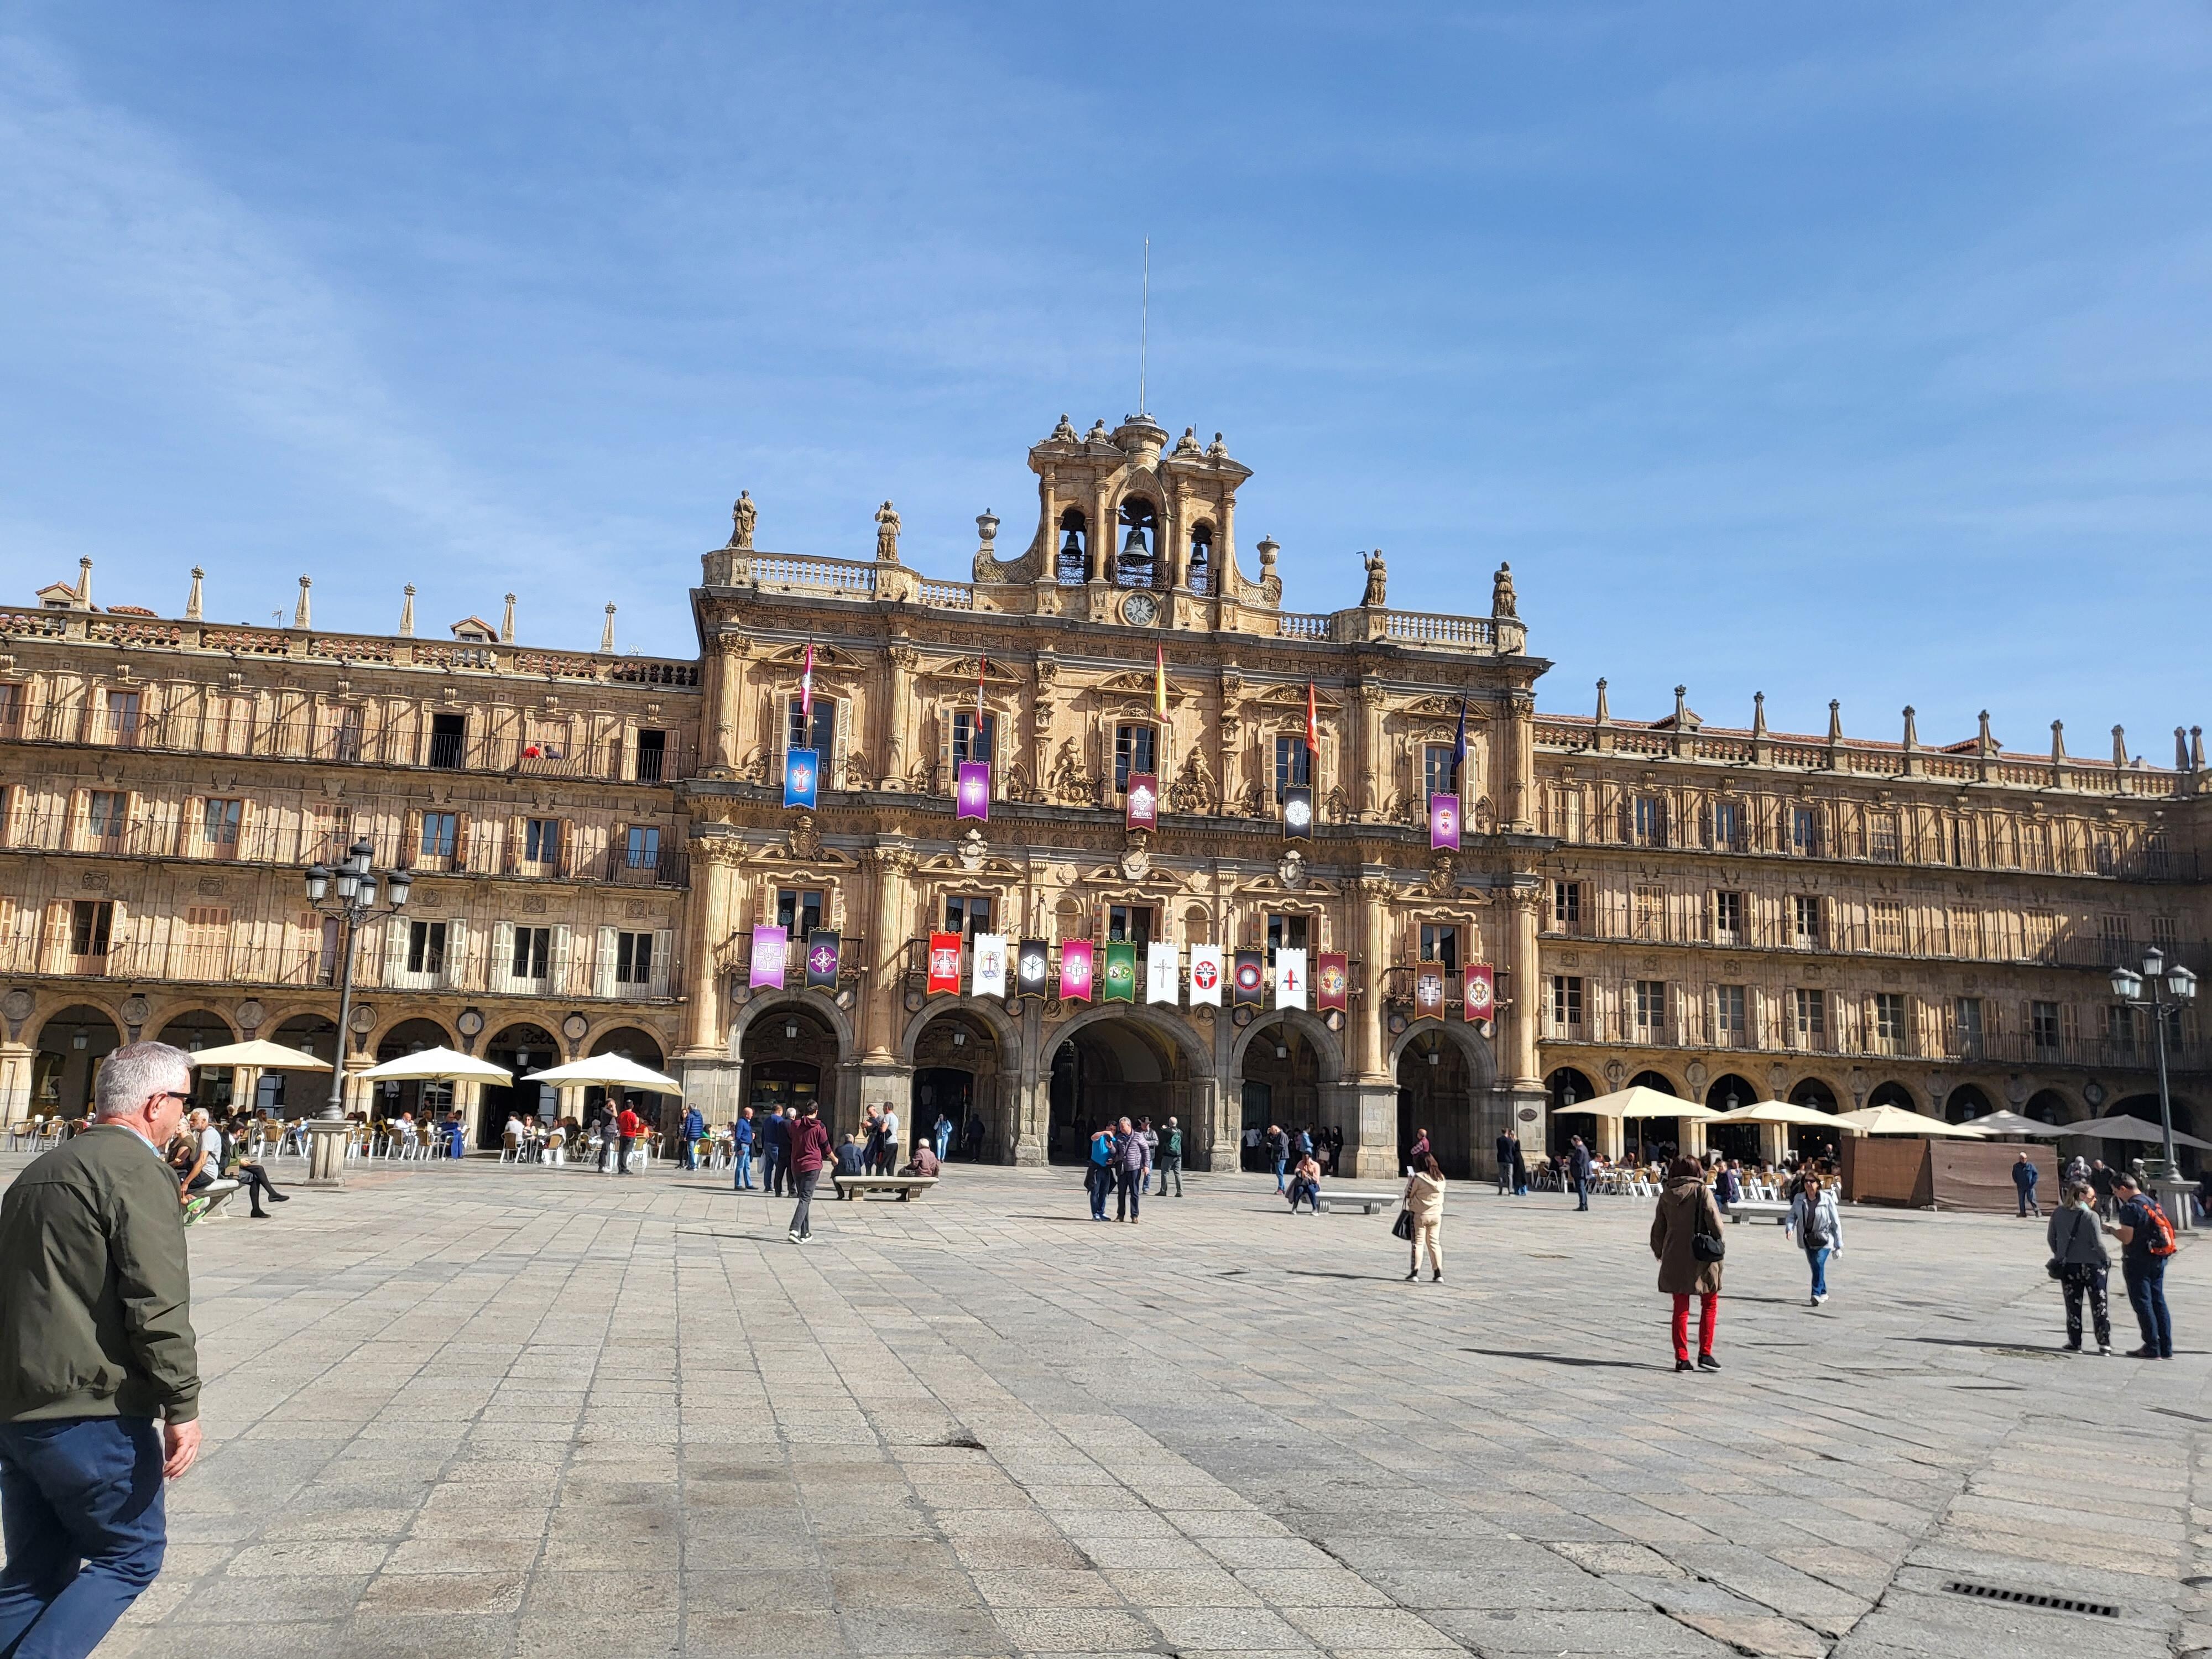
(1578, 1170)
(2146, 1245)
(1504, 1162)
(2025, 1175)
(1418, 1150)
(629, 1125)
(741, 1149)
(1425, 1202)
(1098, 1176)
(1279, 1153)
(1132, 1162)
(603, 1121)
(2100, 1182)
(1818, 1225)
(775, 1151)
(1687, 1212)
(1520, 1167)
(1170, 1158)
(810, 1146)
(942, 1130)
(887, 1153)
(99, 1366)
(2082, 1264)
(695, 1127)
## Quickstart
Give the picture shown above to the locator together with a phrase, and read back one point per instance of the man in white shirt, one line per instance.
(891, 1141)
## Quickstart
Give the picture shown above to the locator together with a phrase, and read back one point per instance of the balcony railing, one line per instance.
(1910, 936)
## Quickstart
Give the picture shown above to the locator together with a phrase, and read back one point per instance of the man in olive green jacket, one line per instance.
(95, 1345)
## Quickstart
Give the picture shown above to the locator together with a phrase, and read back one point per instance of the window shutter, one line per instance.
(457, 953)
(517, 833)
(193, 813)
(947, 778)
(117, 939)
(603, 966)
(395, 949)
(568, 863)
(461, 842)
(1705, 823)
(499, 971)
(1163, 756)
(7, 794)
(844, 743)
(410, 838)
(55, 945)
(779, 721)
(664, 948)
(557, 982)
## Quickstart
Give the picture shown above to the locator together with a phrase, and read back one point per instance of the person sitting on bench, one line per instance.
(925, 1160)
(851, 1157)
(1305, 1182)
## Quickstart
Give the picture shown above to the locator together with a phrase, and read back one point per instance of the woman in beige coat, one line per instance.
(1685, 1210)
(1425, 1199)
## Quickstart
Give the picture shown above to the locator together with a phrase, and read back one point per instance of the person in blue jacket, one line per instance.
(741, 1148)
(695, 1126)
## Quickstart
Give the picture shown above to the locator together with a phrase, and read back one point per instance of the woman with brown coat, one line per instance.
(1685, 1210)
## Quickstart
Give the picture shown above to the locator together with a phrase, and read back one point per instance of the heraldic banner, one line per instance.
(1332, 982)
(944, 965)
(1444, 823)
(1251, 978)
(1075, 964)
(1206, 975)
(1481, 991)
(771, 944)
(988, 977)
(975, 791)
(1033, 968)
(822, 952)
(1162, 983)
(802, 775)
(1120, 971)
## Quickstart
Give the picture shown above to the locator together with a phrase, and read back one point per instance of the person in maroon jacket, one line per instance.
(810, 1146)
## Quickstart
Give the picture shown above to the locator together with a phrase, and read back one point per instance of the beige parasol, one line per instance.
(263, 1056)
(437, 1066)
(1896, 1120)
(606, 1071)
(1635, 1101)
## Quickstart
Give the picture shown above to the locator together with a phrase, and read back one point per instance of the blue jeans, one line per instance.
(772, 1171)
(944, 1142)
(743, 1162)
(1279, 1167)
(1101, 1183)
(1818, 1255)
(2146, 1283)
(81, 1512)
(2027, 1205)
(1582, 1192)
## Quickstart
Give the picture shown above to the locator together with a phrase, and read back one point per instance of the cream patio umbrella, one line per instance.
(437, 1066)
(2012, 1123)
(606, 1071)
(1896, 1120)
(261, 1055)
(1635, 1101)
(1780, 1111)
(2129, 1129)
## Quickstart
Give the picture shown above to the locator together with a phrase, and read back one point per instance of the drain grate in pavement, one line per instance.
(2030, 1599)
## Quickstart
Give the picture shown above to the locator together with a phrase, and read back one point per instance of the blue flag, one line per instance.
(802, 776)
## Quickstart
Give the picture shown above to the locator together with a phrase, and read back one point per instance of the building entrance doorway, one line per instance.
(1110, 1069)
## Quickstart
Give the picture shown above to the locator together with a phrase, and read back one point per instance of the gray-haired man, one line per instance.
(99, 1379)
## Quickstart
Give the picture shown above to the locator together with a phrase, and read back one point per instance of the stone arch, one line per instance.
(1124, 1060)
(399, 1038)
(1891, 1092)
(193, 1028)
(1286, 1067)
(1651, 1078)
(62, 1072)
(1199, 1056)
(2053, 1106)
(508, 1047)
(964, 1056)
(1565, 1087)
(817, 1003)
(1445, 1073)
(1966, 1103)
(1310, 1026)
(1481, 1059)
(993, 1015)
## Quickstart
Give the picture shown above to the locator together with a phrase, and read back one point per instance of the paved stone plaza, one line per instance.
(467, 1410)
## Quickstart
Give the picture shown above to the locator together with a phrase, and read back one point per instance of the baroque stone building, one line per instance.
(1718, 913)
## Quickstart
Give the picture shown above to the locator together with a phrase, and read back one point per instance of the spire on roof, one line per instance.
(507, 622)
(300, 618)
(84, 584)
(607, 633)
(407, 612)
(192, 599)
(2119, 745)
(1758, 713)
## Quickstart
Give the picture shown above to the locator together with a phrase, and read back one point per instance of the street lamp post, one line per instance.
(2161, 989)
(348, 894)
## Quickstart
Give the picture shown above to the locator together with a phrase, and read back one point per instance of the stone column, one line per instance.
(1516, 806)
(897, 747)
(890, 903)
(1031, 1106)
(710, 920)
(1369, 1096)
(722, 699)
(16, 1059)
(1373, 786)
(1520, 1076)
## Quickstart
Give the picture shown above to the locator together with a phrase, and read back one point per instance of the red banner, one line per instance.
(1332, 983)
(1481, 991)
(1428, 992)
(944, 964)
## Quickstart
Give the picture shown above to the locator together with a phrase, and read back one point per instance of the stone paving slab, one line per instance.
(482, 1410)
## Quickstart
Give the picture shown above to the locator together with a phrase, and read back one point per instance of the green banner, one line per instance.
(1120, 972)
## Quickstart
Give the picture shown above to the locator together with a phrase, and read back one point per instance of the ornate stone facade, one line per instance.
(1720, 911)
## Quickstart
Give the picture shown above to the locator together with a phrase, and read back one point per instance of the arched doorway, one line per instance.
(1812, 1140)
(2048, 1106)
(301, 1094)
(1565, 1086)
(71, 1046)
(1740, 1141)
(1441, 1070)
(1653, 1139)
(192, 1032)
(411, 1036)
(517, 1050)
(1283, 1064)
(663, 1112)
(1113, 1065)
(790, 1053)
(2120, 1154)
(958, 1072)
(1965, 1103)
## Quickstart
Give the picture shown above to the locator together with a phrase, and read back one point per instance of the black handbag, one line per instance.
(1403, 1227)
(1708, 1246)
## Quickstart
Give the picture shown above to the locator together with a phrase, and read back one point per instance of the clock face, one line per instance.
(1140, 610)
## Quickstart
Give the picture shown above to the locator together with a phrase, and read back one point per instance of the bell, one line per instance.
(1135, 544)
(1071, 548)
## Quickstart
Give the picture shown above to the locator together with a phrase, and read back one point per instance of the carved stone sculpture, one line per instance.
(1501, 592)
(887, 533)
(1193, 791)
(744, 515)
(1378, 576)
(1071, 785)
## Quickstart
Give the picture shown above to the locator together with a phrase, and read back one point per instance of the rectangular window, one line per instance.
(1889, 1021)
(2122, 1026)
(1966, 1023)
(1966, 931)
(1812, 1011)
(1132, 752)
(533, 951)
(1286, 932)
(1882, 837)
(967, 914)
(1650, 821)
(1805, 832)
(2161, 933)
(426, 947)
(972, 739)
(1650, 1010)
(1730, 1023)
(346, 740)
(798, 910)
(1132, 922)
(1439, 770)
(1727, 918)
(641, 846)
(1567, 907)
(122, 719)
(441, 834)
(219, 822)
(541, 840)
(1805, 921)
(449, 735)
(1440, 943)
(91, 923)
(1566, 1002)
(1651, 913)
(1727, 826)
(1888, 920)
(103, 817)
(2101, 850)
(822, 736)
(2117, 935)
(2043, 1026)
(633, 958)
(651, 756)
(1293, 766)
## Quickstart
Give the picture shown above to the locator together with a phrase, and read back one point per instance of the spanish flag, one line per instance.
(1313, 727)
(1160, 684)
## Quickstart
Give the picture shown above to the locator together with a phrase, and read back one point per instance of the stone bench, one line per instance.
(208, 1203)
(1765, 1209)
(1365, 1203)
(906, 1187)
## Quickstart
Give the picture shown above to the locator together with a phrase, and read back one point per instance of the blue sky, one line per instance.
(1856, 352)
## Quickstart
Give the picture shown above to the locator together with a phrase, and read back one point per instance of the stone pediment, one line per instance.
(961, 671)
(1446, 707)
(985, 869)
(825, 656)
(1294, 697)
(1138, 683)
(1135, 876)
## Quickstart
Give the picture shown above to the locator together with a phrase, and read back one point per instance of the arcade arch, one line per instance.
(389, 1100)
(964, 1067)
(1122, 1061)
(72, 1043)
(1443, 1071)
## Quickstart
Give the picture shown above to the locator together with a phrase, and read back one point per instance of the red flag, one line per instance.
(806, 690)
(1313, 733)
(944, 963)
(1333, 982)
(1479, 991)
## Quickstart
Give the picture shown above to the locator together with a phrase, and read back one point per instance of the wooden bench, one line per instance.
(1365, 1203)
(906, 1187)
(1764, 1209)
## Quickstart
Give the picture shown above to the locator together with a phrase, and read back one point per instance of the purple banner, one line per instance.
(771, 949)
(1443, 822)
(974, 791)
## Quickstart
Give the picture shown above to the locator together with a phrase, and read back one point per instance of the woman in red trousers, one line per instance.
(1685, 1210)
